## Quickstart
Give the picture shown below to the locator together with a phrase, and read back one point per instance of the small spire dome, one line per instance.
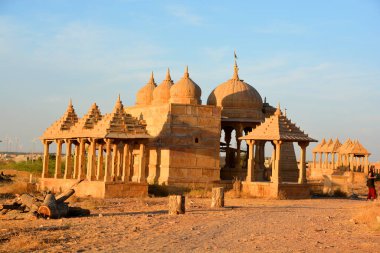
(145, 94)
(185, 91)
(161, 93)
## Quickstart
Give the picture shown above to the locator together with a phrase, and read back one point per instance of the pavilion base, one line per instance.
(272, 190)
(96, 189)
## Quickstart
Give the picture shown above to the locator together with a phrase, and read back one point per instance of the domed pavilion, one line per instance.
(242, 110)
(167, 137)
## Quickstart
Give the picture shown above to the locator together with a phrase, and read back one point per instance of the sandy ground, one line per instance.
(244, 225)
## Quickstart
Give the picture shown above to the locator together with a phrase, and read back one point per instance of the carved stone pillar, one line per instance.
(239, 133)
(326, 160)
(276, 176)
(99, 167)
(91, 160)
(45, 165)
(351, 162)
(366, 165)
(82, 159)
(314, 160)
(76, 161)
(114, 162)
(108, 163)
(251, 161)
(119, 162)
(333, 161)
(141, 174)
(320, 159)
(302, 169)
(58, 160)
(126, 163)
(68, 162)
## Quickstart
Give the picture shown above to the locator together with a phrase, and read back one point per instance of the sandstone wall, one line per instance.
(185, 147)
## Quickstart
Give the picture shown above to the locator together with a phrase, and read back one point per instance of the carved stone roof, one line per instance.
(334, 146)
(319, 147)
(355, 148)
(278, 127)
(145, 94)
(185, 91)
(325, 148)
(115, 125)
(62, 125)
(161, 94)
(345, 146)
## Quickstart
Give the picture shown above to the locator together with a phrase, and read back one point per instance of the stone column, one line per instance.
(91, 160)
(366, 166)
(99, 167)
(314, 160)
(320, 159)
(114, 162)
(276, 176)
(58, 160)
(251, 161)
(141, 175)
(119, 162)
(326, 160)
(126, 165)
(302, 169)
(351, 162)
(68, 163)
(82, 159)
(108, 163)
(333, 161)
(76, 160)
(239, 132)
(45, 165)
(154, 162)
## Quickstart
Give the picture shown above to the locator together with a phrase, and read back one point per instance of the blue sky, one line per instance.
(319, 59)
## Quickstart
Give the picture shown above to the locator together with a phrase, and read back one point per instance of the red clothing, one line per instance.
(371, 193)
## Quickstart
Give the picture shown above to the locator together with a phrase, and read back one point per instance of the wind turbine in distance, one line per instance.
(34, 140)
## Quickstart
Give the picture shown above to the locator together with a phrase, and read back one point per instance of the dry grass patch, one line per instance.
(370, 215)
(13, 188)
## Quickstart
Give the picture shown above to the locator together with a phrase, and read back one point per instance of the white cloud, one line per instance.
(281, 28)
(184, 14)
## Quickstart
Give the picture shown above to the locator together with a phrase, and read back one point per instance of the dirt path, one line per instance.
(245, 225)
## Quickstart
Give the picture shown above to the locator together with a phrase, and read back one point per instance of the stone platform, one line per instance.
(96, 189)
(271, 190)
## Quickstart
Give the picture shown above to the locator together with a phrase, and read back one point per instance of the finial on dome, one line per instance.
(93, 106)
(236, 70)
(278, 111)
(70, 102)
(285, 112)
(118, 98)
(168, 75)
(186, 75)
(151, 77)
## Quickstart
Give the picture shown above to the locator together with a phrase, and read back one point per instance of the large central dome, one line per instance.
(238, 100)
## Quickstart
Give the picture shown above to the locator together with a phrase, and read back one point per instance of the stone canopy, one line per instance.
(115, 125)
(279, 128)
